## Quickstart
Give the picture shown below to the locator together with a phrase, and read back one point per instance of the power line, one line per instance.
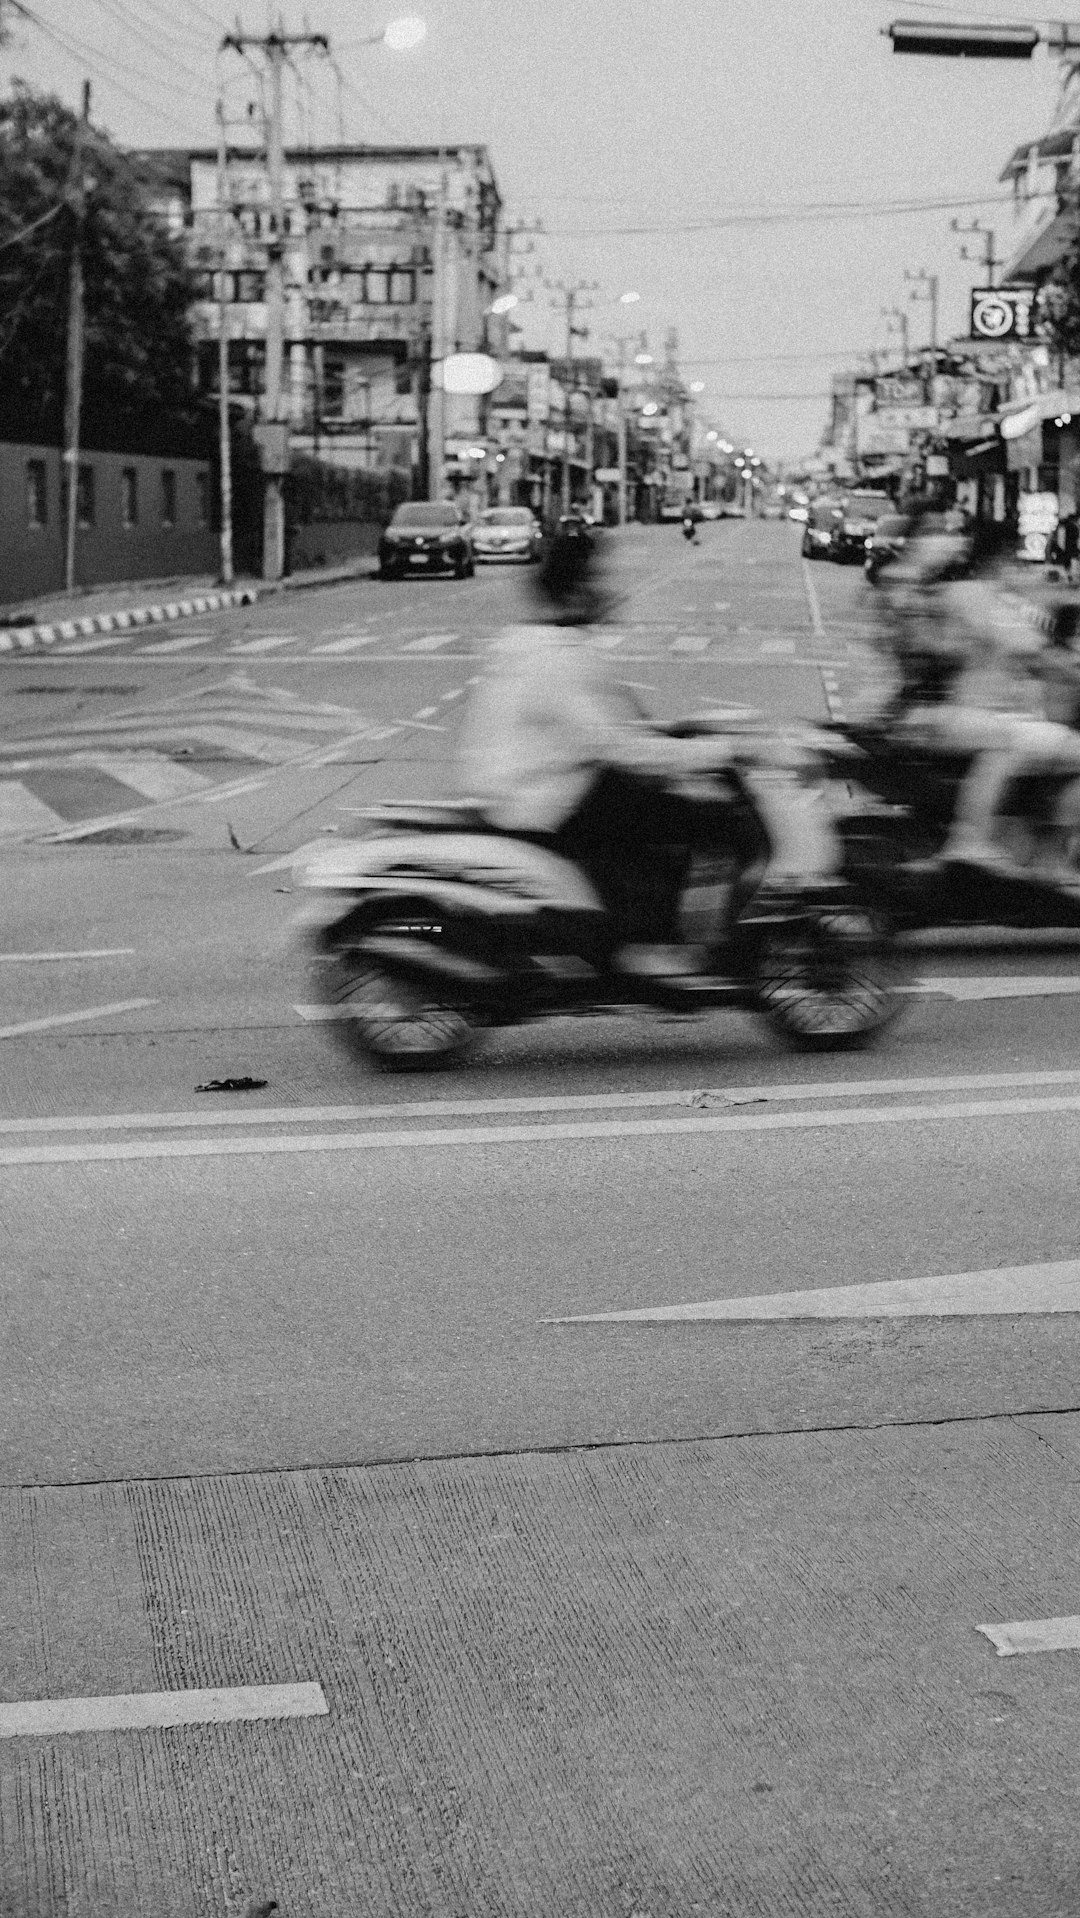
(117, 11)
(823, 211)
(32, 228)
(78, 50)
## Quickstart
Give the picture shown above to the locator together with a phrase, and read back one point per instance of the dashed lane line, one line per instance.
(1026, 1635)
(1002, 1291)
(41, 958)
(430, 642)
(148, 1711)
(467, 1138)
(184, 645)
(74, 1018)
(813, 602)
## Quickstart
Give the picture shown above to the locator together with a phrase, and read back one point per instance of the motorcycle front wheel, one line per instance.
(831, 983)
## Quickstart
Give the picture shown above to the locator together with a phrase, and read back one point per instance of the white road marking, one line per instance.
(176, 645)
(466, 1137)
(1034, 1635)
(690, 643)
(91, 952)
(812, 601)
(339, 647)
(1031, 985)
(426, 712)
(1008, 1289)
(151, 774)
(22, 811)
(430, 642)
(146, 1711)
(693, 1096)
(268, 644)
(73, 1018)
(93, 645)
(608, 641)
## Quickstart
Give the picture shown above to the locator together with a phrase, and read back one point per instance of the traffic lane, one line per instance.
(222, 1007)
(196, 1315)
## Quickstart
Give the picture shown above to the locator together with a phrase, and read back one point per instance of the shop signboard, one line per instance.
(1002, 312)
(538, 393)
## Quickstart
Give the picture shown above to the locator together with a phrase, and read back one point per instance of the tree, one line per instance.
(1057, 309)
(138, 289)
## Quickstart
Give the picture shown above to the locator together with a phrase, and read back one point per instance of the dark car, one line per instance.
(427, 536)
(885, 543)
(821, 518)
(859, 514)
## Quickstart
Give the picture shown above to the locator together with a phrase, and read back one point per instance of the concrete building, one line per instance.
(391, 255)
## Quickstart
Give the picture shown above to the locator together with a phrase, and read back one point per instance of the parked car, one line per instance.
(507, 532)
(817, 536)
(854, 524)
(800, 514)
(885, 543)
(431, 536)
(732, 510)
(711, 509)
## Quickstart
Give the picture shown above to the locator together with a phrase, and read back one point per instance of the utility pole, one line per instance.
(897, 313)
(570, 295)
(437, 401)
(224, 432)
(930, 281)
(76, 327)
(987, 258)
(275, 47)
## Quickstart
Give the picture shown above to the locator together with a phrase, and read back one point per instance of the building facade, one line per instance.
(391, 256)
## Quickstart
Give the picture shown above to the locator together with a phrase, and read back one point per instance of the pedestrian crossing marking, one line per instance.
(1001, 1291)
(690, 643)
(339, 648)
(268, 643)
(22, 811)
(151, 774)
(429, 642)
(1026, 1635)
(183, 645)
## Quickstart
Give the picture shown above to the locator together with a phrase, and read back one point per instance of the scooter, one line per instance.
(433, 926)
(894, 803)
(689, 528)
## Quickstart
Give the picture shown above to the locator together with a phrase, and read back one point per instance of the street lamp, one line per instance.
(404, 34)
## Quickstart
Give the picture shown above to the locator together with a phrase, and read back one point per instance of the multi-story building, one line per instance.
(366, 291)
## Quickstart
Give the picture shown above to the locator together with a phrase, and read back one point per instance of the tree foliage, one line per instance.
(138, 289)
(1058, 308)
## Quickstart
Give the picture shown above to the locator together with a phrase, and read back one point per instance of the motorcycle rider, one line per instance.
(946, 623)
(553, 749)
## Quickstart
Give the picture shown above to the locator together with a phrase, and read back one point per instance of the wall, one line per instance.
(32, 557)
(331, 542)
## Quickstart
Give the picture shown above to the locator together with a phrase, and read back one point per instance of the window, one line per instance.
(168, 496)
(129, 496)
(37, 494)
(202, 497)
(333, 387)
(402, 287)
(376, 286)
(84, 496)
(250, 288)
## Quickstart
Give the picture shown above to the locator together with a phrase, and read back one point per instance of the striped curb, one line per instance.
(135, 616)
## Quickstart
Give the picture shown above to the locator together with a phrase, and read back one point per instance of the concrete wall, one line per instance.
(332, 542)
(32, 557)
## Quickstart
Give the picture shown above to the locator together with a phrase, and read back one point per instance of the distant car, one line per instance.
(773, 509)
(859, 514)
(885, 544)
(711, 509)
(507, 532)
(673, 509)
(800, 514)
(732, 510)
(818, 530)
(427, 536)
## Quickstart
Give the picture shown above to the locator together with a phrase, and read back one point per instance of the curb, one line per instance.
(29, 636)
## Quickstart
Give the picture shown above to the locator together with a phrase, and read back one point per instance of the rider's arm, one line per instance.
(609, 738)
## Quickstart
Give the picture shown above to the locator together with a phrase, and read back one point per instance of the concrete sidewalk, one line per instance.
(741, 1677)
(149, 602)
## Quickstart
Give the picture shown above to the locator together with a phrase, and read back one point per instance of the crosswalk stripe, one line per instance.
(268, 644)
(429, 643)
(151, 774)
(1034, 1635)
(339, 647)
(92, 645)
(176, 645)
(690, 643)
(22, 811)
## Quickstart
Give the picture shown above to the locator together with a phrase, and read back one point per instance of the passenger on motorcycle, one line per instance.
(946, 624)
(554, 749)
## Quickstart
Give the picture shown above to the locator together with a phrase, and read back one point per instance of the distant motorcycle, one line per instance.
(434, 926)
(690, 526)
(895, 802)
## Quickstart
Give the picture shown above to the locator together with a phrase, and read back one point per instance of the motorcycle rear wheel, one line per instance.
(831, 984)
(397, 1025)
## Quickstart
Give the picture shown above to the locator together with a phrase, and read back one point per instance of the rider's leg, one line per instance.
(998, 758)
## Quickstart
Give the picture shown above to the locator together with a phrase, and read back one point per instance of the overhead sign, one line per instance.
(606, 475)
(1002, 312)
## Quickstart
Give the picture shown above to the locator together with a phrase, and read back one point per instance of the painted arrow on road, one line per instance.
(1006, 1289)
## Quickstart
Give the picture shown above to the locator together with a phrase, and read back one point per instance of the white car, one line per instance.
(507, 532)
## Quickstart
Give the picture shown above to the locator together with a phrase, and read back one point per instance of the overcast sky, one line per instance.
(649, 137)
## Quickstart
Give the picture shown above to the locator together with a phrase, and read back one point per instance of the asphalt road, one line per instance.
(313, 1382)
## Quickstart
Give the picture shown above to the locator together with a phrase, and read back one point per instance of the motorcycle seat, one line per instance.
(430, 815)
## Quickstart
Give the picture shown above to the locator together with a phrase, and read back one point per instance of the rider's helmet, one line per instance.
(569, 585)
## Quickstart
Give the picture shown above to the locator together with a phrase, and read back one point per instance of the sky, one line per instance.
(735, 162)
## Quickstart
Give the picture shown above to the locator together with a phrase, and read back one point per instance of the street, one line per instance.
(619, 1597)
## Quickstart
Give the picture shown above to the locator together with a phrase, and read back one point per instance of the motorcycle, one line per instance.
(895, 803)
(434, 926)
(689, 527)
